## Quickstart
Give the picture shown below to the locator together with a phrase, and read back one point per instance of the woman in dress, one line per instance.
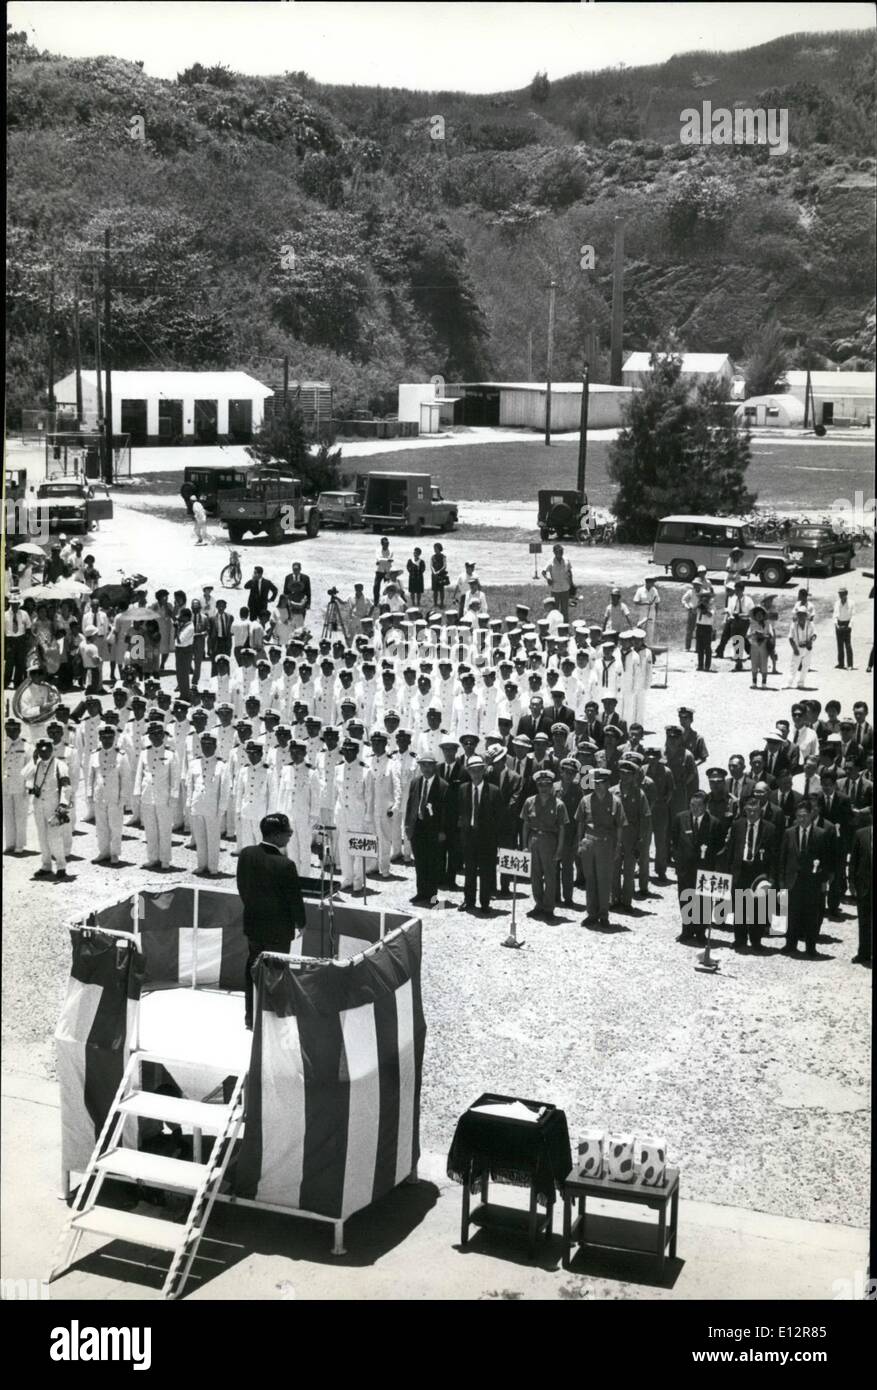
(118, 647)
(165, 621)
(282, 626)
(439, 576)
(757, 636)
(416, 567)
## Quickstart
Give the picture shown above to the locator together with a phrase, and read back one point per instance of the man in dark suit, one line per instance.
(219, 633)
(805, 870)
(769, 811)
(560, 711)
(611, 718)
(426, 827)
(261, 595)
(478, 821)
(452, 771)
(861, 880)
(834, 808)
(538, 721)
(509, 784)
(739, 784)
(751, 856)
(696, 842)
(863, 734)
(776, 754)
(857, 786)
(271, 895)
(785, 798)
(593, 724)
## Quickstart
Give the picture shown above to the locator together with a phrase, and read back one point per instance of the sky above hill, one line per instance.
(429, 46)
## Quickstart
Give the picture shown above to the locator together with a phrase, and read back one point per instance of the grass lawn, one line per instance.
(787, 476)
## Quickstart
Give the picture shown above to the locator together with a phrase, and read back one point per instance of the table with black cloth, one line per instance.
(532, 1154)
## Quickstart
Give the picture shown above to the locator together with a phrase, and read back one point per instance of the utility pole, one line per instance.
(285, 381)
(617, 305)
(98, 371)
(77, 350)
(552, 290)
(530, 355)
(108, 394)
(583, 431)
(52, 343)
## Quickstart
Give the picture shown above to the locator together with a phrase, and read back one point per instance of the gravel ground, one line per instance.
(758, 1076)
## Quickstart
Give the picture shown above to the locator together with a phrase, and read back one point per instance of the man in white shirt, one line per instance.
(560, 581)
(351, 813)
(298, 797)
(690, 600)
(207, 793)
(199, 517)
(843, 618)
(48, 785)
(737, 609)
(648, 600)
(802, 635)
(251, 787)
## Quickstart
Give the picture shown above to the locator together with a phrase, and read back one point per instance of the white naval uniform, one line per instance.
(407, 768)
(467, 714)
(109, 787)
(428, 743)
(609, 679)
(298, 797)
(642, 686)
(179, 731)
(251, 790)
(87, 742)
(629, 679)
(50, 778)
(351, 813)
(157, 784)
(207, 793)
(16, 762)
(382, 805)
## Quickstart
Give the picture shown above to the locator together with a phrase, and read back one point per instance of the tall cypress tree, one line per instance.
(679, 452)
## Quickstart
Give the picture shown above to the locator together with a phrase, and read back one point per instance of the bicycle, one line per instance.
(232, 575)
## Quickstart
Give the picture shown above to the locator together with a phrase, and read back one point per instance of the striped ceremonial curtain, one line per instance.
(355, 929)
(97, 1023)
(167, 927)
(333, 1095)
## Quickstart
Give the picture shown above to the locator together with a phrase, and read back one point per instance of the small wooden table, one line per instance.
(512, 1220)
(657, 1199)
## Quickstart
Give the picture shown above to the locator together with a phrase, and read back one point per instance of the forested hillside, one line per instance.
(257, 217)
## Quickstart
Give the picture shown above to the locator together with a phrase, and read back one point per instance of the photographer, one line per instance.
(48, 783)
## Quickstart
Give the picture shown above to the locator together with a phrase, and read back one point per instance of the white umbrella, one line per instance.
(29, 548)
(64, 588)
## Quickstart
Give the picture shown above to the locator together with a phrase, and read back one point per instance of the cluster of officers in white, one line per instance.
(327, 733)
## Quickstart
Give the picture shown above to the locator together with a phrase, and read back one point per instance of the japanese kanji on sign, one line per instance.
(515, 862)
(362, 842)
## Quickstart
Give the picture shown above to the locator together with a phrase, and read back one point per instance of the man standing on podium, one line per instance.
(271, 895)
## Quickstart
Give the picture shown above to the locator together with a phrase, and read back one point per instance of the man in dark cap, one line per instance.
(426, 826)
(570, 794)
(478, 822)
(271, 894)
(660, 800)
(634, 832)
(545, 827)
(597, 823)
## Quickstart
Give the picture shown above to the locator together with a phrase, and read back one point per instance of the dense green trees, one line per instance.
(678, 452)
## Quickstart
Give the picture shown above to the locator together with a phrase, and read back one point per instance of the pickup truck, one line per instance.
(340, 509)
(819, 547)
(271, 502)
(406, 502)
(73, 505)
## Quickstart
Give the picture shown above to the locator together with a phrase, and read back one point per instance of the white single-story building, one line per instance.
(780, 412)
(696, 367)
(158, 407)
(425, 405)
(839, 398)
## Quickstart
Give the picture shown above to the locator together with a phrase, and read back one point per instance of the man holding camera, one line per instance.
(48, 783)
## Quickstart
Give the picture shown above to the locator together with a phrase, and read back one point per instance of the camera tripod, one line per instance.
(334, 618)
(326, 832)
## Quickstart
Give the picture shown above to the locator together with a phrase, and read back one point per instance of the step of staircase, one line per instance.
(127, 1225)
(175, 1110)
(153, 1168)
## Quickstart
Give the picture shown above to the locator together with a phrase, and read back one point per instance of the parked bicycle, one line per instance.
(231, 575)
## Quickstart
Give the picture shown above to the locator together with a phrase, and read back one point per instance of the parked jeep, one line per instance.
(271, 502)
(819, 547)
(563, 512)
(682, 543)
(339, 509)
(73, 505)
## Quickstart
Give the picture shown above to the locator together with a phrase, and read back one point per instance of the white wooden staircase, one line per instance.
(201, 1180)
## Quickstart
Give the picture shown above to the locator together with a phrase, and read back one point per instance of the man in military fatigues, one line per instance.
(545, 827)
(570, 794)
(634, 830)
(597, 820)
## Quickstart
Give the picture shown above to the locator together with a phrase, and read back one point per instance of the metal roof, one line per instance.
(691, 361)
(174, 385)
(850, 383)
(708, 520)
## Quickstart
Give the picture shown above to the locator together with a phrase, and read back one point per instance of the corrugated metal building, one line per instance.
(521, 404)
(174, 407)
(840, 398)
(312, 398)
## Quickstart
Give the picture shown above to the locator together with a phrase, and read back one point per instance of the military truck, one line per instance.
(271, 502)
(406, 502)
